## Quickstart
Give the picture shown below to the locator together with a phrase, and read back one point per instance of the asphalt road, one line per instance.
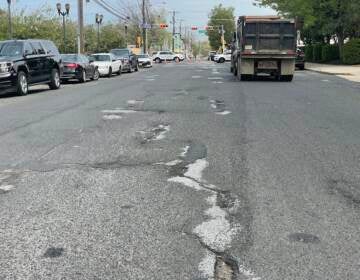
(182, 172)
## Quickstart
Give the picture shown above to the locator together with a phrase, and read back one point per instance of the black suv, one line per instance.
(129, 59)
(28, 62)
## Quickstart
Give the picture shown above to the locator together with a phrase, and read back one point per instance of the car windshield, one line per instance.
(101, 57)
(120, 52)
(70, 57)
(143, 56)
(11, 49)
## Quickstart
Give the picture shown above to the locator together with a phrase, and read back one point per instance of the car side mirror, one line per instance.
(114, 60)
(91, 60)
(26, 53)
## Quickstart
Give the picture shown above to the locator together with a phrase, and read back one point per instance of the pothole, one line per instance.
(304, 238)
(219, 107)
(135, 104)
(223, 270)
(53, 252)
(156, 133)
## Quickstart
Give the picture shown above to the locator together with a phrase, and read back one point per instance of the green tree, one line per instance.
(323, 18)
(221, 16)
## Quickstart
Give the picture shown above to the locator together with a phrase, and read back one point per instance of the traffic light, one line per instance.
(209, 27)
(163, 25)
(194, 28)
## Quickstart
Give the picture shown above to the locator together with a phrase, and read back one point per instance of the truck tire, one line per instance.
(245, 77)
(286, 78)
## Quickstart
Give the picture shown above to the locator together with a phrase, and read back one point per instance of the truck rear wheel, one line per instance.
(286, 78)
(245, 77)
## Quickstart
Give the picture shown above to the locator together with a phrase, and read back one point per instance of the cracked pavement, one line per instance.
(83, 196)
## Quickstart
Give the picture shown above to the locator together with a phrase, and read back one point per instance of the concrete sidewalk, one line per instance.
(349, 72)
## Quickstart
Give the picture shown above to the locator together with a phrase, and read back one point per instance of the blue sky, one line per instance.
(193, 12)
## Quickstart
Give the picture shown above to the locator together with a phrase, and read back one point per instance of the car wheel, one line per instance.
(22, 87)
(176, 59)
(110, 72)
(83, 77)
(158, 60)
(96, 75)
(55, 79)
(119, 72)
(222, 60)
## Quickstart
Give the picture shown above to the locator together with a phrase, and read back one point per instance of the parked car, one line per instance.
(211, 55)
(107, 64)
(79, 67)
(300, 58)
(222, 57)
(144, 60)
(181, 56)
(129, 59)
(165, 56)
(29, 62)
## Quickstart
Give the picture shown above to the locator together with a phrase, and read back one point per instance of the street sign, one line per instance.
(146, 26)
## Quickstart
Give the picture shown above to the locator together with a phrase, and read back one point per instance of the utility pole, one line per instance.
(80, 36)
(222, 38)
(9, 15)
(144, 26)
(174, 31)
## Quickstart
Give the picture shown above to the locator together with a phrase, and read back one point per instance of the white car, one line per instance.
(222, 57)
(107, 64)
(144, 60)
(165, 56)
(181, 56)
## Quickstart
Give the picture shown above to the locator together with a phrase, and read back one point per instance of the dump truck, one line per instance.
(264, 45)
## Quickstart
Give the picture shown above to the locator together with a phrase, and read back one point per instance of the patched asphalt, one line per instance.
(87, 197)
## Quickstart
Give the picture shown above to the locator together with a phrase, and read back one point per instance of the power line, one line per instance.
(110, 9)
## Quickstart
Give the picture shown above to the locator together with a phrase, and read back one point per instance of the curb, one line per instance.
(329, 73)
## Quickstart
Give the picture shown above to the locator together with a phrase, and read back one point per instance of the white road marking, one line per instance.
(325, 81)
(170, 163)
(4, 177)
(187, 182)
(248, 273)
(196, 169)
(196, 77)
(206, 266)
(112, 117)
(223, 113)
(185, 150)
(6, 188)
(118, 111)
(217, 231)
(217, 82)
(215, 78)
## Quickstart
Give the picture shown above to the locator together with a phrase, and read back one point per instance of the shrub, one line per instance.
(317, 52)
(309, 53)
(351, 52)
(329, 53)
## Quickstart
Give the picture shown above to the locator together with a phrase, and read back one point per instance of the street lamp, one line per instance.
(98, 20)
(63, 14)
(9, 15)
